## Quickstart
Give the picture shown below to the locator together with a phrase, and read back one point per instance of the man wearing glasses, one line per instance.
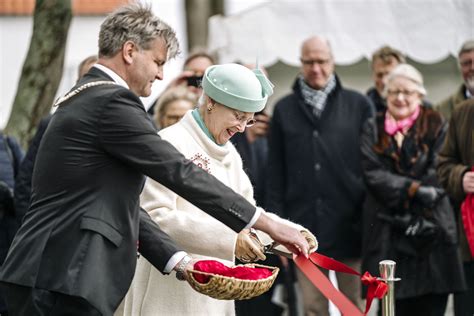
(466, 90)
(315, 174)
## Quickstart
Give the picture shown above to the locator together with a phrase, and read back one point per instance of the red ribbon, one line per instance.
(376, 288)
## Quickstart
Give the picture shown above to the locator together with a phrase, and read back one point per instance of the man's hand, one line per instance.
(284, 234)
(180, 79)
(468, 182)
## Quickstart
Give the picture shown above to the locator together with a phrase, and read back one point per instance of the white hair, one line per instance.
(409, 72)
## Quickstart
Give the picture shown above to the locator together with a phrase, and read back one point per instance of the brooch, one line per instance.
(201, 161)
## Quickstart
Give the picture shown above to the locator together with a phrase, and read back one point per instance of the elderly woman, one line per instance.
(232, 94)
(407, 217)
(172, 105)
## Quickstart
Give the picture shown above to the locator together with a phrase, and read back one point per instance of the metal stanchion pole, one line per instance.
(387, 274)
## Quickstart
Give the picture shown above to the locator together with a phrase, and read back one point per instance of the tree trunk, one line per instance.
(197, 15)
(42, 69)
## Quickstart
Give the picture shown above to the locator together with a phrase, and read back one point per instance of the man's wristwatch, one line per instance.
(181, 268)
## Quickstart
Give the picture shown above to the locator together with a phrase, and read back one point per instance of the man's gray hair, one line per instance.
(467, 46)
(137, 23)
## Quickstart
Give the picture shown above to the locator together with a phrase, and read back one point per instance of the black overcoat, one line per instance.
(392, 177)
(314, 167)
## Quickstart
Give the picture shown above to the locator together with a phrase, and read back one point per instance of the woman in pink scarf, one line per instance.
(407, 217)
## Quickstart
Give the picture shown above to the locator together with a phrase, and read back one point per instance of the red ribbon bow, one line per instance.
(376, 288)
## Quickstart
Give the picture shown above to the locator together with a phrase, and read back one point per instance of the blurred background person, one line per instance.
(407, 217)
(11, 156)
(252, 145)
(466, 90)
(314, 166)
(232, 94)
(193, 69)
(85, 65)
(455, 163)
(25, 172)
(172, 105)
(198, 61)
(383, 61)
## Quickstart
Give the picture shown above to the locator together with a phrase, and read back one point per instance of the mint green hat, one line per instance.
(237, 87)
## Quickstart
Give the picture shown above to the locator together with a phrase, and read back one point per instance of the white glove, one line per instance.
(311, 239)
(248, 248)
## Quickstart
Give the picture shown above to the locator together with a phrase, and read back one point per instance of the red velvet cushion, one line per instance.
(239, 272)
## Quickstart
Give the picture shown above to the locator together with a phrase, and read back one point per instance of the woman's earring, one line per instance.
(210, 107)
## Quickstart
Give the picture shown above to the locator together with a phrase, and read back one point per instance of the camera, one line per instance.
(194, 81)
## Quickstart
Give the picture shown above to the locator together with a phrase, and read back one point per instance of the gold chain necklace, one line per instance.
(79, 89)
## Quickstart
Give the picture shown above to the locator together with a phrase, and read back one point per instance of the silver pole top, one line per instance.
(387, 270)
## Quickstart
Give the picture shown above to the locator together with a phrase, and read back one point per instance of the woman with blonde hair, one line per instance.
(172, 105)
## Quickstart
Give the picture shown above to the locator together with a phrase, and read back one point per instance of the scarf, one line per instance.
(316, 99)
(393, 126)
(197, 117)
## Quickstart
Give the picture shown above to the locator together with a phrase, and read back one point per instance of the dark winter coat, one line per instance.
(447, 106)
(314, 171)
(455, 159)
(11, 155)
(254, 158)
(393, 175)
(25, 172)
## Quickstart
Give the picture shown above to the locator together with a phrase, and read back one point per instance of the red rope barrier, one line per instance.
(376, 288)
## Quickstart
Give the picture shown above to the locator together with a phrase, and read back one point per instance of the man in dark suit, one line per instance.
(75, 252)
(314, 166)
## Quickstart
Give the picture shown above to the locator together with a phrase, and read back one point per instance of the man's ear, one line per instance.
(128, 50)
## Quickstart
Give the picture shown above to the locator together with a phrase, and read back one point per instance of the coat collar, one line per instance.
(95, 74)
(112, 74)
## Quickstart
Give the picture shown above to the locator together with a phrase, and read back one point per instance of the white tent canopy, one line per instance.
(427, 31)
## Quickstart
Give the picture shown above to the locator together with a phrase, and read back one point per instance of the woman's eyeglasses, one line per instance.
(242, 119)
(405, 93)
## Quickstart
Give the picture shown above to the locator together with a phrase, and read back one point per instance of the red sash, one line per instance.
(376, 288)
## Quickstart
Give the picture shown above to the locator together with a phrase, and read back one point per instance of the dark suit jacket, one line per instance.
(80, 234)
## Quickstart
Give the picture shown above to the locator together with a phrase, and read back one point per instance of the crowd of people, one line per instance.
(361, 178)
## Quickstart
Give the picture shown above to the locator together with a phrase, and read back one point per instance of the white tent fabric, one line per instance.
(428, 31)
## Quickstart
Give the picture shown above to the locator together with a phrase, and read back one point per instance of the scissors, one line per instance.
(270, 248)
